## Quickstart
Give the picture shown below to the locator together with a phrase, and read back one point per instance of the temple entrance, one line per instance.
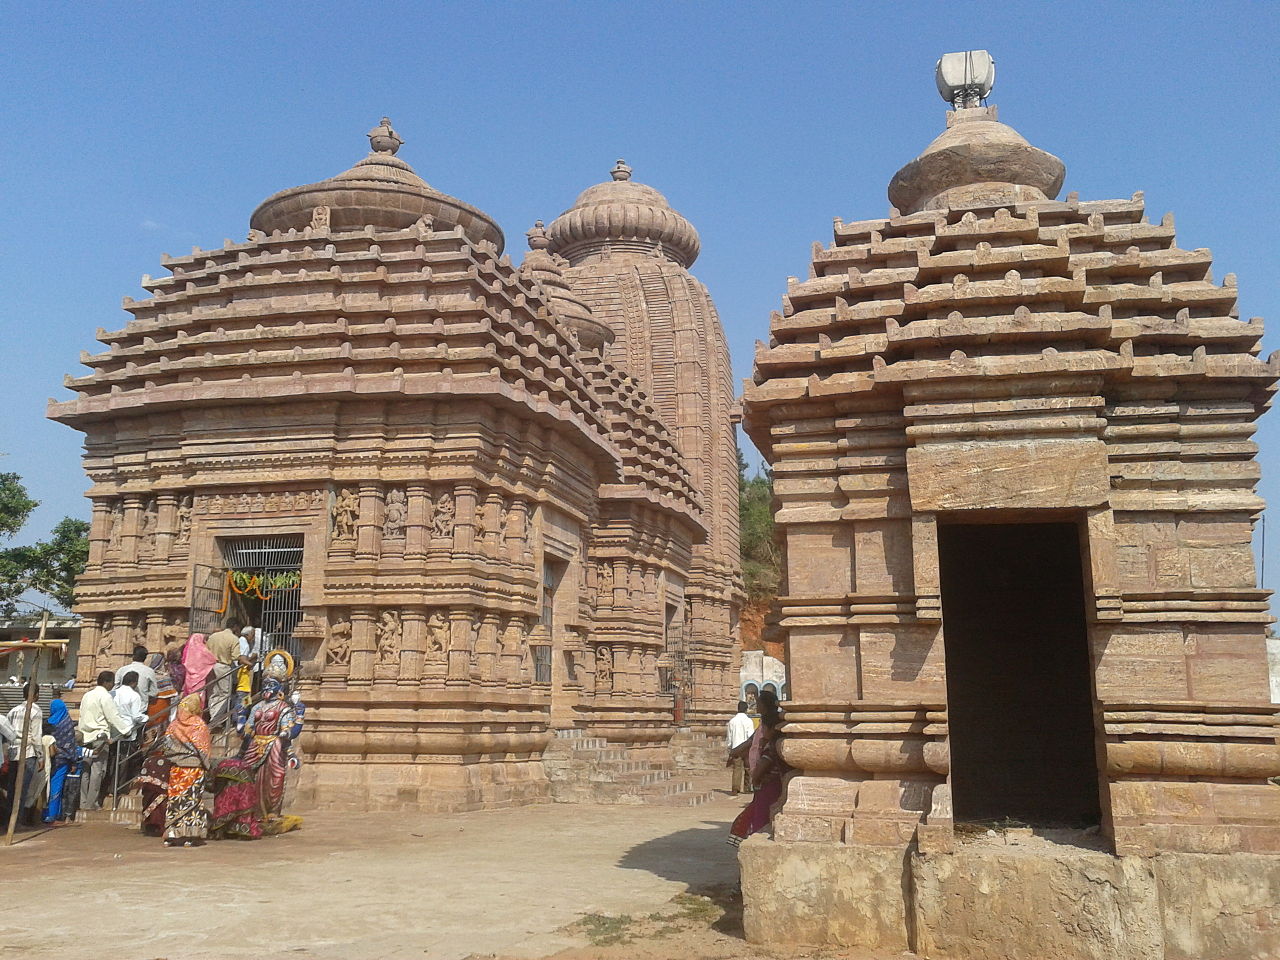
(266, 587)
(1020, 701)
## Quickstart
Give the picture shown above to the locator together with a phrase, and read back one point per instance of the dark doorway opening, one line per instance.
(1019, 696)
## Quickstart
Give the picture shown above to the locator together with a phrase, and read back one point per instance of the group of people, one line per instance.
(157, 719)
(757, 764)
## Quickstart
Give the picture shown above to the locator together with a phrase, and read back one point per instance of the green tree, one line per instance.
(49, 566)
(761, 559)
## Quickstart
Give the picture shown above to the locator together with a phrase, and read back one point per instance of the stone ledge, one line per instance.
(1013, 903)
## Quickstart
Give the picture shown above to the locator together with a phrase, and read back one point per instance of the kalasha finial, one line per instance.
(965, 79)
(538, 239)
(382, 139)
(620, 170)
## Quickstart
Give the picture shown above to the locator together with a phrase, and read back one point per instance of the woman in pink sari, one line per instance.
(270, 727)
(767, 769)
(197, 661)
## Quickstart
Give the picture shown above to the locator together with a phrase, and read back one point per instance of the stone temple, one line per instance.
(1011, 441)
(487, 503)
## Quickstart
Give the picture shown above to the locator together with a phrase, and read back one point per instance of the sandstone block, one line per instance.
(823, 893)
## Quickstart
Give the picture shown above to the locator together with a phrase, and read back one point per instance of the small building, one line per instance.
(1011, 441)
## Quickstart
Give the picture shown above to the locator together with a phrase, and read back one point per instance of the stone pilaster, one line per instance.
(98, 532)
(486, 658)
(363, 644)
(369, 525)
(460, 628)
(464, 529)
(417, 529)
(413, 643)
(132, 527)
(166, 524)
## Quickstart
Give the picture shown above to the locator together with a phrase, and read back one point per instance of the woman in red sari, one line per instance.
(268, 730)
(767, 771)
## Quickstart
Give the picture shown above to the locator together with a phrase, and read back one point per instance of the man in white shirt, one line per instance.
(148, 684)
(33, 758)
(740, 730)
(132, 707)
(100, 723)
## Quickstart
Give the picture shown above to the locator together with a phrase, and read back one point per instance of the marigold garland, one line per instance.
(252, 584)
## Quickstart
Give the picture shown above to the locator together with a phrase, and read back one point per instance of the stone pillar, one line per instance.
(363, 644)
(369, 524)
(91, 629)
(493, 517)
(512, 649)
(621, 584)
(924, 545)
(132, 528)
(98, 532)
(459, 647)
(412, 644)
(166, 524)
(487, 646)
(155, 631)
(464, 522)
(417, 534)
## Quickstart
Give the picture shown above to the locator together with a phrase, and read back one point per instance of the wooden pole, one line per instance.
(21, 778)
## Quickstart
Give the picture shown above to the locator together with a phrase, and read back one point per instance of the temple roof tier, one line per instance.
(381, 191)
(622, 215)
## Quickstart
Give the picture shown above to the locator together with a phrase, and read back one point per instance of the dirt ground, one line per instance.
(566, 881)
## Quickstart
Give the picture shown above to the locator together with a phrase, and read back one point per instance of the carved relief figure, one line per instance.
(175, 628)
(482, 522)
(346, 508)
(437, 635)
(138, 630)
(320, 219)
(396, 515)
(606, 583)
(338, 651)
(442, 517)
(388, 636)
(104, 639)
(115, 520)
(150, 520)
(604, 668)
(183, 536)
(513, 635)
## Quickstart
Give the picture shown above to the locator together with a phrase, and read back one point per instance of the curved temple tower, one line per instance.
(480, 529)
(1011, 441)
(628, 256)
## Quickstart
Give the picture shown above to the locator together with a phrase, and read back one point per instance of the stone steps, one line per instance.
(583, 769)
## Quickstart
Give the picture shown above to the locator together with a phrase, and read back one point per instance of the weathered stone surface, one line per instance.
(1028, 474)
(1220, 907)
(981, 903)
(824, 893)
(1013, 897)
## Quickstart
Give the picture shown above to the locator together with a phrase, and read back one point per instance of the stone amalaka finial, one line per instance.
(620, 170)
(538, 239)
(382, 139)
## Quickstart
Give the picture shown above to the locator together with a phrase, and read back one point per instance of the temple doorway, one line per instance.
(1019, 694)
(264, 587)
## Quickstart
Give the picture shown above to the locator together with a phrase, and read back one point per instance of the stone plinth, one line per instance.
(1028, 901)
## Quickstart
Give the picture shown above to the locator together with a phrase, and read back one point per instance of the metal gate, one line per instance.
(280, 607)
(206, 598)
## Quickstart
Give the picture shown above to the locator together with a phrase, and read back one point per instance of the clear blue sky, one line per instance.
(142, 128)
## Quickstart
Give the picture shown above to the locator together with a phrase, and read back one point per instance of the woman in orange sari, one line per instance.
(187, 747)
